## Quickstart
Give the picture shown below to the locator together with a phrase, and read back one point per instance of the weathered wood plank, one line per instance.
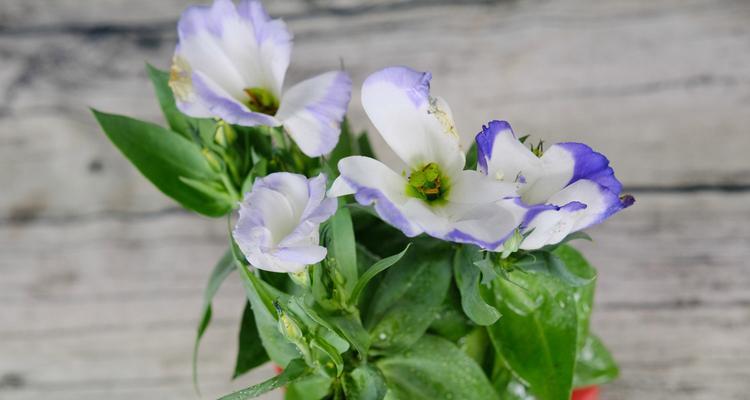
(662, 90)
(122, 294)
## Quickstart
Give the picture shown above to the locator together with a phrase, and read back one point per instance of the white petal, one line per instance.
(312, 111)
(418, 128)
(600, 202)
(556, 173)
(501, 156)
(374, 183)
(472, 187)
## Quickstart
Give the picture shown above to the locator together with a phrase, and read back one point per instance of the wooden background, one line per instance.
(101, 276)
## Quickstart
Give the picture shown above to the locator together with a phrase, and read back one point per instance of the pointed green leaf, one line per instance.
(375, 269)
(409, 297)
(579, 267)
(467, 280)
(595, 365)
(342, 253)
(295, 370)
(434, 368)
(250, 353)
(222, 269)
(163, 158)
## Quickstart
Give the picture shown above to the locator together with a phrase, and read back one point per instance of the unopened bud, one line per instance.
(213, 161)
(225, 134)
(301, 278)
(287, 326)
(512, 244)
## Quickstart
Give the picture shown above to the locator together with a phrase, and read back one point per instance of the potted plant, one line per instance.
(451, 277)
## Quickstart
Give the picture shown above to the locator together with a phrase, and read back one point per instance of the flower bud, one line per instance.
(213, 161)
(512, 244)
(225, 134)
(301, 278)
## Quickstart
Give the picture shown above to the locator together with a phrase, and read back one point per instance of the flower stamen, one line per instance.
(261, 100)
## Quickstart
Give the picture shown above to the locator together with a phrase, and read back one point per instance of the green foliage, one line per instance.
(409, 297)
(250, 353)
(595, 365)
(434, 368)
(467, 280)
(222, 269)
(536, 338)
(165, 158)
(365, 383)
(295, 370)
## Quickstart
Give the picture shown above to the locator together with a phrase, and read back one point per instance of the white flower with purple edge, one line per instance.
(434, 195)
(278, 227)
(569, 188)
(230, 63)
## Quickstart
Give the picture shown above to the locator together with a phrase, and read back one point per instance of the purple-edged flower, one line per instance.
(568, 188)
(279, 220)
(434, 194)
(230, 63)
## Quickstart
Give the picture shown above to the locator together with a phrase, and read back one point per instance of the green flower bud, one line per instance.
(512, 244)
(213, 161)
(225, 134)
(301, 278)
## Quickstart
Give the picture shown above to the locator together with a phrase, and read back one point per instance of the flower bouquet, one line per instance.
(448, 277)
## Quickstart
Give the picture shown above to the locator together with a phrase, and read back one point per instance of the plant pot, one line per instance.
(586, 393)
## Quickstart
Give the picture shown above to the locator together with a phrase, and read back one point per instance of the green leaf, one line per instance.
(363, 142)
(508, 386)
(467, 279)
(409, 297)
(178, 122)
(222, 269)
(259, 169)
(550, 264)
(342, 254)
(451, 321)
(595, 365)
(261, 296)
(471, 157)
(163, 158)
(375, 269)
(434, 368)
(537, 334)
(313, 387)
(350, 327)
(576, 265)
(365, 383)
(295, 370)
(250, 353)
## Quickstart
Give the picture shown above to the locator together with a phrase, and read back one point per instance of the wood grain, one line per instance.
(101, 275)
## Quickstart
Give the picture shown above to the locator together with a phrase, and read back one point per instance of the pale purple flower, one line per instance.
(230, 63)
(434, 194)
(279, 219)
(569, 188)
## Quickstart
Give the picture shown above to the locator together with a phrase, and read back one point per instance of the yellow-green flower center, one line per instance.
(261, 100)
(428, 183)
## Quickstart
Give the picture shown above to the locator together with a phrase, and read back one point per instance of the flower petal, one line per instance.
(486, 226)
(472, 187)
(372, 182)
(418, 128)
(312, 111)
(588, 164)
(500, 155)
(600, 202)
(273, 44)
(551, 225)
(222, 105)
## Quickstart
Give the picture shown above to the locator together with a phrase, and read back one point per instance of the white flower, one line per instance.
(230, 63)
(279, 220)
(569, 188)
(434, 195)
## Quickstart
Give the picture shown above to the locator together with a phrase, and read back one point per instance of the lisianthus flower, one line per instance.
(434, 194)
(230, 63)
(568, 188)
(279, 219)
